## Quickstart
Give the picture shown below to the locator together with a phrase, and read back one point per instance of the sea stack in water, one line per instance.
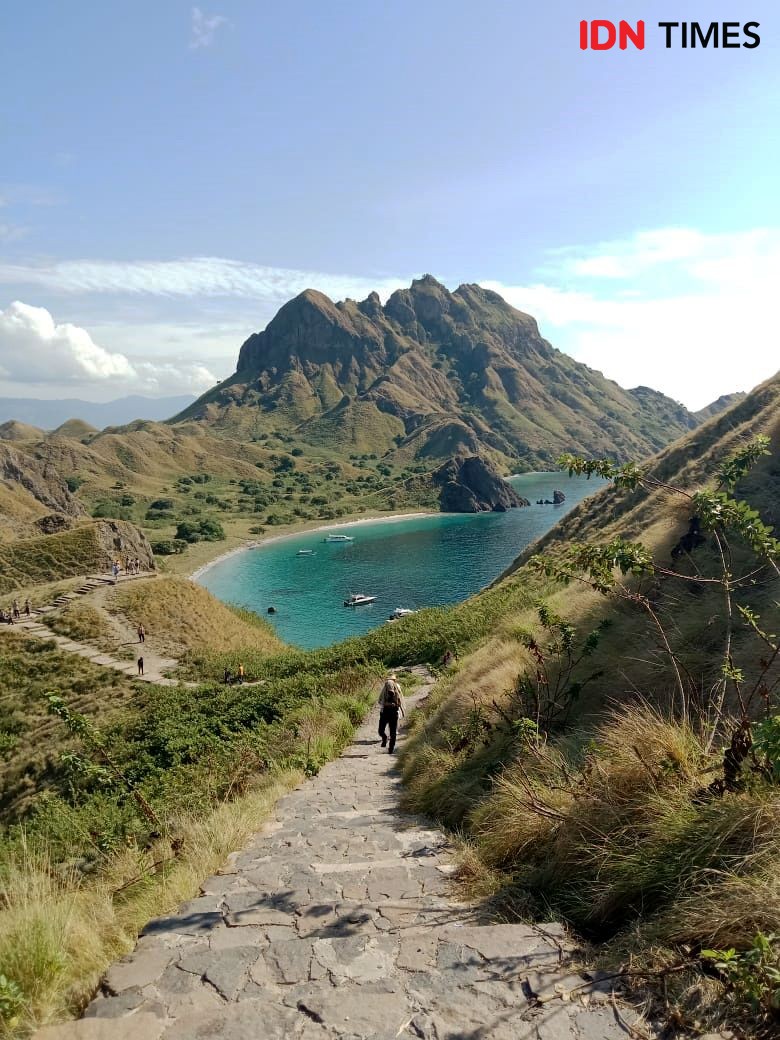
(558, 497)
(470, 484)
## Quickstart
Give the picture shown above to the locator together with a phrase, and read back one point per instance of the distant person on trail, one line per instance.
(27, 607)
(391, 702)
(16, 609)
(226, 679)
(241, 673)
(141, 634)
(140, 666)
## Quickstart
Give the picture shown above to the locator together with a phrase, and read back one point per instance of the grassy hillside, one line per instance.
(30, 738)
(120, 797)
(590, 781)
(86, 549)
(159, 477)
(180, 616)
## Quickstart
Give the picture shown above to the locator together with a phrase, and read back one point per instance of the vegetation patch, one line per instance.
(33, 561)
(613, 755)
(180, 617)
(120, 797)
(84, 623)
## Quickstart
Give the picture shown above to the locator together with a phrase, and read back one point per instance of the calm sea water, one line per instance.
(414, 562)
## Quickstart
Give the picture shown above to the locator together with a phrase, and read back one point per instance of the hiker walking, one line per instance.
(140, 666)
(16, 609)
(391, 702)
(27, 607)
(241, 673)
(141, 634)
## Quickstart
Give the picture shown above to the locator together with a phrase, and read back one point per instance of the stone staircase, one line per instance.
(340, 919)
(155, 666)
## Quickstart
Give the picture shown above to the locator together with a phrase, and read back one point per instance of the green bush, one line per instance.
(208, 530)
(169, 547)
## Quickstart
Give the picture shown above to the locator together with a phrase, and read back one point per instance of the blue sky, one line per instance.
(170, 174)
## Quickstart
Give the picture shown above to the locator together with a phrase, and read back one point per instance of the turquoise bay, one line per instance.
(414, 562)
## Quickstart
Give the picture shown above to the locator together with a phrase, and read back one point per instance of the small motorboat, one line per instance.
(306, 552)
(357, 599)
(400, 612)
(338, 538)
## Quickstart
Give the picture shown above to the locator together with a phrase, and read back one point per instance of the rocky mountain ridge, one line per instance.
(724, 402)
(429, 375)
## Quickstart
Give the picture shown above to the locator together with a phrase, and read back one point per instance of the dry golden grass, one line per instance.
(179, 616)
(59, 932)
(620, 828)
(84, 623)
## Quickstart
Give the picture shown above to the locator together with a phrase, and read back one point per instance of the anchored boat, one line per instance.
(338, 538)
(357, 599)
(400, 612)
(306, 552)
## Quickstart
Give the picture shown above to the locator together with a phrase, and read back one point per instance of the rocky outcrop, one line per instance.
(470, 484)
(39, 479)
(53, 523)
(558, 497)
(117, 539)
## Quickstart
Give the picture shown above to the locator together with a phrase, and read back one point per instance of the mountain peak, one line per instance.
(428, 281)
(432, 370)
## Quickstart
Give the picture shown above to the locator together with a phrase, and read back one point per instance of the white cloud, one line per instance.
(36, 350)
(203, 28)
(691, 314)
(190, 277)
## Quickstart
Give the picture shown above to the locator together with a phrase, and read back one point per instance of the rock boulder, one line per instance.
(470, 484)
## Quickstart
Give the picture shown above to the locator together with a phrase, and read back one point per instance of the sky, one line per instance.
(171, 174)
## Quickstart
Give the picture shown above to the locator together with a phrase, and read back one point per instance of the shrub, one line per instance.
(194, 530)
(110, 509)
(169, 547)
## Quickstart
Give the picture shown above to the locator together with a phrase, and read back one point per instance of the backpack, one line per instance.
(392, 698)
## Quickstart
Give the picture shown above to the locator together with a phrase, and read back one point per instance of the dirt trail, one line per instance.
(339, 920)
(94, 590)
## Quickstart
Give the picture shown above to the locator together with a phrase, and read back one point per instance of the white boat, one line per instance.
(306, 552)
(338, 538)
(400, 612)
(357, 599)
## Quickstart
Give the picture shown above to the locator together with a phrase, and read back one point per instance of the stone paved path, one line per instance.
(339, 920)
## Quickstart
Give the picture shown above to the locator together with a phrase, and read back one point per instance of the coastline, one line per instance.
(299, 529)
